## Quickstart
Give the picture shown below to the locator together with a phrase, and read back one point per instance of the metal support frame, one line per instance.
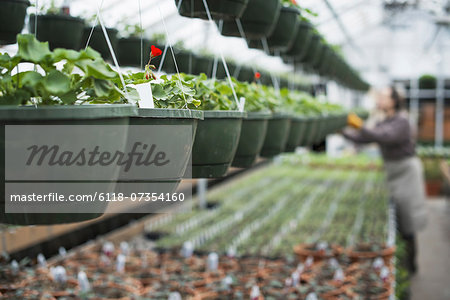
(439, 130)
(440, 97)
(414, 103)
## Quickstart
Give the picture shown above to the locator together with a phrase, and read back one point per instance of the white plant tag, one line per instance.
(241, 104)
(120, 263)
(255, 293)
(42, 261)
(124, 248)
(59, 275)
(213, 261)
(83, 282)
(15, 267)
(311, 296)
(62, 252)
(145, 95)
(174, 296)
(187, 250)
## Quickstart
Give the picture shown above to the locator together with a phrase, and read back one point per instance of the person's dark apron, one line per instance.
(407, 190)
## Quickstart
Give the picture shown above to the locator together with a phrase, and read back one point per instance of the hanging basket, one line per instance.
(253, 133)
(203, 64)
(246, 74)
(219, 9)
(60, 31)
(167, 180)
(258, 20)
(220, 73)
(216, 143)
(296, 133)
(277, 135)
(319, 56)
(284, 34)
(311, 51)
(12, 19)
(297, 49)
(324, 65)
(129, 51)
(95, 115)
(98, 40)
(186, 62)
(311, 130)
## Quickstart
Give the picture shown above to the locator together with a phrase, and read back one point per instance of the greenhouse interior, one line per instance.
(225, 149)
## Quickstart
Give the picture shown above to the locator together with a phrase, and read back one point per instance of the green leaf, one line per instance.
(56, 83)
(102, 87)
(97, 68)
(31, 49)
(158, 92)
(69, 98)
(31, 78)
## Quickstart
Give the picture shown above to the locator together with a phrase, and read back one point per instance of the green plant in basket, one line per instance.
(304, 10)
(83, 78)
(213, 94)
(254, 101)
(49, 8)
(168, 91)
(133, 30)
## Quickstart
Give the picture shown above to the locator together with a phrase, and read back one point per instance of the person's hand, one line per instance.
(354, 121)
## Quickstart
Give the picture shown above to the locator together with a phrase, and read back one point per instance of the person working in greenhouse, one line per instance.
(395, 138)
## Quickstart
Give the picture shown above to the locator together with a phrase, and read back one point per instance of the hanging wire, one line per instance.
(274, 80)
(242, 33)
(35, 18)
(141, 35)
(230, 82)
(173, 54)
(216, 58)
(92, 29)
(166, 47)
(113, 55)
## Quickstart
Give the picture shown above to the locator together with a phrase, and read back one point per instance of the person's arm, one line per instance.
(354, 136)
(445, 169)
(388, 133)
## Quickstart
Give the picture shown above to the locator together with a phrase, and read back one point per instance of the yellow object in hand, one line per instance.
(354, 121)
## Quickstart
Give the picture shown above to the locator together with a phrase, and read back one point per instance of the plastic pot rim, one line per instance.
(223, 114)
(172, 113)
(66, 112)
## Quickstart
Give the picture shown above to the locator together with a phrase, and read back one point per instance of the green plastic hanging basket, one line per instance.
(258, 20)
(60, 31)
(129, 51)
(296, 133)
(277, 135)
(253, 133)
(12, 19)
(179, 163)
(98, 40)
(216, 143)
(219, 9)
(94, 115)
(301, 41)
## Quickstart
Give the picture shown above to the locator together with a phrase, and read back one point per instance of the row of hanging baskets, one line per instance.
(219, 139)
(266, 24)
(221, 135)
(277, 28)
